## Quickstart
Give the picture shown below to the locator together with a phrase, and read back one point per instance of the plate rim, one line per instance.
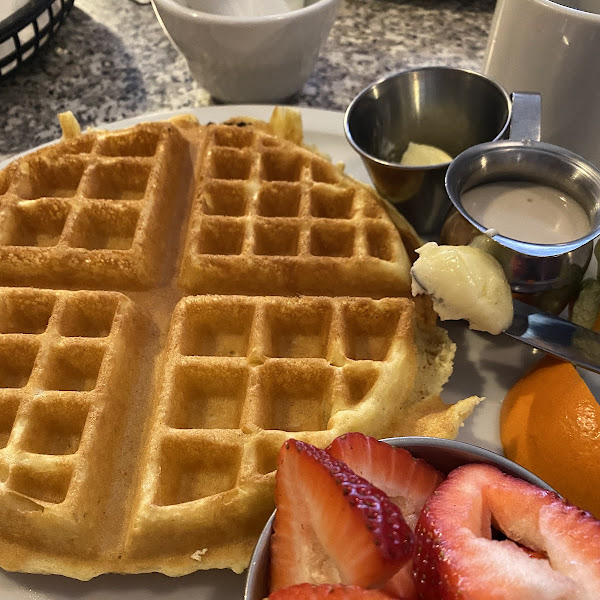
(314, 120)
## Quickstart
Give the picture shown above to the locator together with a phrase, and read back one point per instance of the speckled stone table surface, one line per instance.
(111, 60)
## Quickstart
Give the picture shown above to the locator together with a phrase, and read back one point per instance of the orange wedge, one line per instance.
(550, 424)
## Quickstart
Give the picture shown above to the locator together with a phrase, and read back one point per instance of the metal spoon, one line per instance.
(556, 336)
(552, 334)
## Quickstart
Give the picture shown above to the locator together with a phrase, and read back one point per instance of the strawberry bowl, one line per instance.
(445, 455)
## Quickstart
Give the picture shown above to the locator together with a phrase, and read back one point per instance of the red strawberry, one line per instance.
(455, 556)
(408, 481)
(530, 552)
(325, 591)
(332, 526)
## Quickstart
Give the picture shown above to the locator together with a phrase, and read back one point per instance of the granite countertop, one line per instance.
(111, 60)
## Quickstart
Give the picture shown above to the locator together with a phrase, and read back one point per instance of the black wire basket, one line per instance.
(29, 28)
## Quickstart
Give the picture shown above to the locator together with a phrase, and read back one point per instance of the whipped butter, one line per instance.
(464, 283)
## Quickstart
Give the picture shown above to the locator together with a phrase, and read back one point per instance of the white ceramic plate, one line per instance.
(485, 365)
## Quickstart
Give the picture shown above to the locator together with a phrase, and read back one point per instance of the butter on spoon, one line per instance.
(464, 283)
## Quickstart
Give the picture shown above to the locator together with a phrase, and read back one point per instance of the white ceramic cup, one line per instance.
(552, 48)
(248, 59)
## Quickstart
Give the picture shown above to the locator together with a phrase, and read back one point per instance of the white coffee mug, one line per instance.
(552, 48)
(247, 59)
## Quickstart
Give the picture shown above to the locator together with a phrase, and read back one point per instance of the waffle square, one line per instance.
(94, 211)
(241, 375)
(270, 216)
(67, 370)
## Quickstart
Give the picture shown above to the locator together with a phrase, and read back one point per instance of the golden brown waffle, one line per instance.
(241, 375)
(270, 215)
(85, 492)
(139, 432)
(93, 211)
(68, 365)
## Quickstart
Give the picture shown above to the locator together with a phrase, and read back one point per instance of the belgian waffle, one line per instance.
(269, 214)
(67, 370)
(241, 375)
(139, 424)
(93, 211)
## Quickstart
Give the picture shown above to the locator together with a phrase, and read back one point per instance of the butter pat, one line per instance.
(464, 283)
(422, 155)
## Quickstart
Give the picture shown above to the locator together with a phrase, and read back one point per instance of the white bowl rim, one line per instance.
(189, 13)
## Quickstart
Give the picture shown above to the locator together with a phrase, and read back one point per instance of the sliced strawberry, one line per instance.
(456, 557)
(332, 526)
(325, 591)
(531, 553)
(408, 481)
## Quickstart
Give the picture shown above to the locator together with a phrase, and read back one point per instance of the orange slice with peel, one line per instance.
(550, 424)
